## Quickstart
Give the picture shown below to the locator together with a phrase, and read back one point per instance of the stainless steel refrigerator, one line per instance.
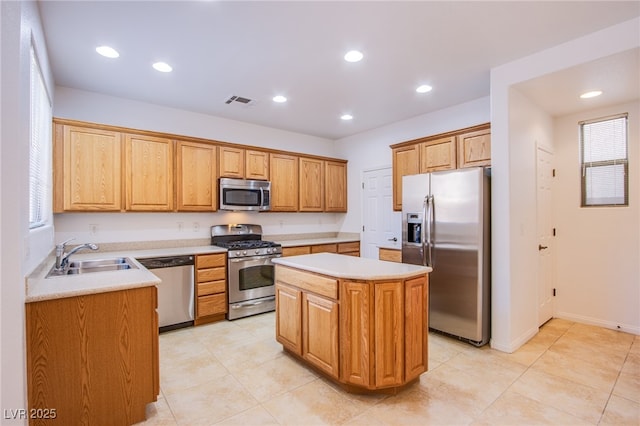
(445, 225)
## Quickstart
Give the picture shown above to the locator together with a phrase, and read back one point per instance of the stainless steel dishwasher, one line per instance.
(175, 292)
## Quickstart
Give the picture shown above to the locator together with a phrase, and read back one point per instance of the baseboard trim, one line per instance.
(627, 328)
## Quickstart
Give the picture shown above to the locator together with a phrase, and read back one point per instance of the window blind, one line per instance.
(604, 161)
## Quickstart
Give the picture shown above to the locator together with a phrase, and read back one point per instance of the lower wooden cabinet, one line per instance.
(348, 248)
(93, 358)
(211, 287)
(390, 255)
(320, 333)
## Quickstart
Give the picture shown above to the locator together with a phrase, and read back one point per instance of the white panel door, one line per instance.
(381, 225)
(545, 235)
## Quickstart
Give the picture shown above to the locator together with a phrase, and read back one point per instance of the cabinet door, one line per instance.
(320, 333)
(311, 185)
(289, 317)
(231, 162)
(257, 165)
(284, 182)
(91, 170)
(388, 331)
(439, 154)
(474, 149)
(196, 176)
(295, 251)
(335, 195)
(149, 173)
(416, 326)
(355, 333)
(406, 161)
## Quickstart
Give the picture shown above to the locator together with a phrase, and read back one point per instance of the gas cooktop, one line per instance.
(243, 241)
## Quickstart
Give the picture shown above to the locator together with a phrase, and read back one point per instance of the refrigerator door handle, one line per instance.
(428, 224)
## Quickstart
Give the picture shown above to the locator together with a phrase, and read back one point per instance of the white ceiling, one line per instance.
(260, 49)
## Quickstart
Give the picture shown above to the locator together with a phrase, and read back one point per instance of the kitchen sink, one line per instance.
(94, 265)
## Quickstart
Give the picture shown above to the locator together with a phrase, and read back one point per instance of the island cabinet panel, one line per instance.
(311, 185)
(93, 358)
(89, 177)
(284, 182)
(388, 333)
(289, 318)
(320, 333)
(149, 173)
(231, 162)
(196, 175)
(416, 326)
(356, 333)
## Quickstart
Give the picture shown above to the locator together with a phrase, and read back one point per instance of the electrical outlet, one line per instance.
(93, 228)
(196, 226)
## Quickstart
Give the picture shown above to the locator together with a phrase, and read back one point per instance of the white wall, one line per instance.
(120, 227)
(20, 250)
(369, 150)
(511, 311)
(598, 248)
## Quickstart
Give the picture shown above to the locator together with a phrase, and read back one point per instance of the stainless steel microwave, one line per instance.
(245, 194)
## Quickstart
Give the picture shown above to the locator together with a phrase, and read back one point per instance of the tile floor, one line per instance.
(235, 373)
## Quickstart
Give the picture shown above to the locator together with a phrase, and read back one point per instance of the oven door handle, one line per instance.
(259, 302)
(252, 258)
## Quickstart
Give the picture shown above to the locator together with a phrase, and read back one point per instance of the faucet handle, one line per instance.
(64, 243)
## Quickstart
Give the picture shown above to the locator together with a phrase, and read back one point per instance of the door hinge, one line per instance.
(362, 228)
(554, 292)
(553, 172)
(362, 185)
(554, 232)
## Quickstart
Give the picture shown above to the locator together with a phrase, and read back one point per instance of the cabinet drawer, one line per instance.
(391, 255)
(349, 247)
(211, 287)
(324, 248)
(210, 305)
(211, 260)
(317, 284)
(295, 251)
(212, 274)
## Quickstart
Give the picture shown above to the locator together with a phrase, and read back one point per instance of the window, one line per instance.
(604, 161)
(40, 148)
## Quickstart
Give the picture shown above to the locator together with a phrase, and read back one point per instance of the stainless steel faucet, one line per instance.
(62, 259)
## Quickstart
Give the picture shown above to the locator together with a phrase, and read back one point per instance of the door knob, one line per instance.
(392, 239)
(541, 247)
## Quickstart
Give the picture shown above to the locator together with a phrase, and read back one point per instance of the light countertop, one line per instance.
(351, 267)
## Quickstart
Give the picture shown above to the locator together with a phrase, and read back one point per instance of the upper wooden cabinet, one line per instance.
(196, 175)
(88, 169)
(461, 148)
(439, 154)
(406, 161)
(474, 148)
(231, 162)
(284, 182)
(335, 188)
(149, 173)
(256, 165)
(311, 185)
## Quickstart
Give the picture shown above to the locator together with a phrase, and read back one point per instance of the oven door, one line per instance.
(251, 278)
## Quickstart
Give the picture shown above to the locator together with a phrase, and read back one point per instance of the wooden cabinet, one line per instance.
(324, 248)
(87, 169)
(257, 165)
(295, 251)
(308, 325)
(439, 154)
(93, 357)
(350, 248)
(196, 175)
(149, 173)
(474, 148)
(231, 162)
(335, 196)
(390, 255)
(367, 334)
(406, 161)
(284, 182)
(311, 185)
(211, 287)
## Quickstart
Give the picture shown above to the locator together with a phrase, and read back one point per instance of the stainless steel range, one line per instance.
(250, 271)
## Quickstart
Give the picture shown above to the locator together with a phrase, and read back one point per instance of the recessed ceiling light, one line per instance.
(346, 117)
(162, 67)
(279, 99)
(424, 88)
(591, 94)
(353, 56)
(107, 52)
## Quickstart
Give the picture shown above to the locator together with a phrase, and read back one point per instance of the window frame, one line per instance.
(594, 164)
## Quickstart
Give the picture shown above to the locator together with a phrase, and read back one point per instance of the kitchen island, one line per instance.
(361, 322)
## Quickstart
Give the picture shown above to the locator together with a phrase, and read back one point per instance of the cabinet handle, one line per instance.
(541, 247)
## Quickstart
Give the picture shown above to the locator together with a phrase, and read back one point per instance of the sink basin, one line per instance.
(94, 265)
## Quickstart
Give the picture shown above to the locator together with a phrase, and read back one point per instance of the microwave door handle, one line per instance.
(261, 196)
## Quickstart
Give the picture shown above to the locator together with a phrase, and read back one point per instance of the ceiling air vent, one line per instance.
(238, 99)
